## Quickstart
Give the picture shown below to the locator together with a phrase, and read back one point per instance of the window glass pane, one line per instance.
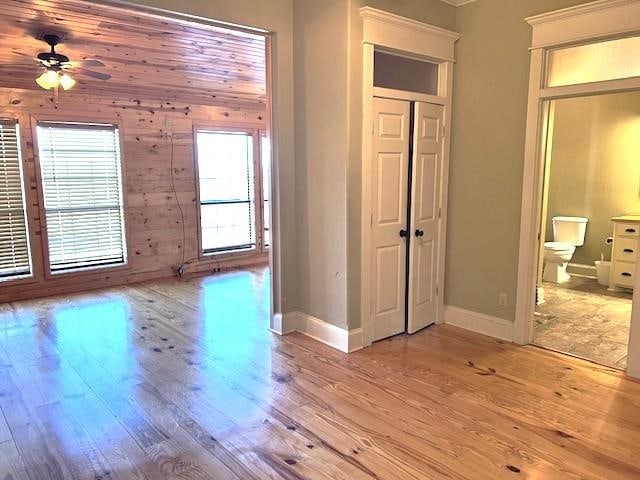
(266, 180)
(594, 62)
(225, 166)
(401, 73)
(227, 200)
(225, 226)
(82, 188)
(15, 258)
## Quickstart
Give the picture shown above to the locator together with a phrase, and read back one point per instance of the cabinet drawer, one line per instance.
(625, 249)
(624, 274)
(627, 229)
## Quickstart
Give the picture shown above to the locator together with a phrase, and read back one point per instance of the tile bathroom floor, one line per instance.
(584, 319)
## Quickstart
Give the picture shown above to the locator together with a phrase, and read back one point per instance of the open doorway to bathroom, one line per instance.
(590, 227)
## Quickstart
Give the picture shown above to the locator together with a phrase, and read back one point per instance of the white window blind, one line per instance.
(14, 237)
(82, 187)
(227, 191)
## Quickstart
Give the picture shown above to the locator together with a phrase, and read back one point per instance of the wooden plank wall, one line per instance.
(153, 221)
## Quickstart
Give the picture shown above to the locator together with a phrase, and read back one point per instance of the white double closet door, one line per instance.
(406, 171)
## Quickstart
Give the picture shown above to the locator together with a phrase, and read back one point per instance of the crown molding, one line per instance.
(583, 9)
(458, 3)
(407, 35)
(589, 21)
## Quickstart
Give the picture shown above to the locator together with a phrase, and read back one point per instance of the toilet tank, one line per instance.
(569, 230)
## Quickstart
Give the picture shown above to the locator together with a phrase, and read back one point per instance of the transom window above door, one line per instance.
(80, 167)
(594, 62)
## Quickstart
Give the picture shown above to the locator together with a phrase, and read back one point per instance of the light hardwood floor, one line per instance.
(182, 380)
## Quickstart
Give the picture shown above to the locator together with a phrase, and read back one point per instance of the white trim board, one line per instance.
(406, 35)
(479, 323)
(458, 3)
(589, 21)
(580, 269)
(344, 340)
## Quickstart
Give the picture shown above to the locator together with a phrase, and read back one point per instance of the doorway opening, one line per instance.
(590, 226)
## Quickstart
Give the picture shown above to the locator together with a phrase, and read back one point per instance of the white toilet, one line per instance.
(568, 233)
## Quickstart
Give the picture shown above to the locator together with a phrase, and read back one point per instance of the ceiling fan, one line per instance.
(56, 66)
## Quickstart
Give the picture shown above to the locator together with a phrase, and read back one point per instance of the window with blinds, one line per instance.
(15, 259)
(82, 188)
(227, 191)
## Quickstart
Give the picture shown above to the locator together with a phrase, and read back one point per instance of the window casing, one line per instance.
(80, 166)
(15, 254)
(230, 187)
(265, 160)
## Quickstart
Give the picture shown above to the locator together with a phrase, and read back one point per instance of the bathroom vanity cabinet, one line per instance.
(626, 239)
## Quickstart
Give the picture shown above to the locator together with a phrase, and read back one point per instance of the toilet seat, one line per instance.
(558, 246)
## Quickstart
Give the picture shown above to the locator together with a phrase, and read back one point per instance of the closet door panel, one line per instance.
(425, 224)
(390, 166)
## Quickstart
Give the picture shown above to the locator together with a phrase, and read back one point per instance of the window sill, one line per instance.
(222, 253)
(25, 279)
(230, 254)
(87, 271)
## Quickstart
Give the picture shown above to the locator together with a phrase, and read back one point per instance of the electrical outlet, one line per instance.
(502, 299)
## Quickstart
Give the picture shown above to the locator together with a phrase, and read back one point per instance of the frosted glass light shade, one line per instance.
(66, 82)
(48, 79)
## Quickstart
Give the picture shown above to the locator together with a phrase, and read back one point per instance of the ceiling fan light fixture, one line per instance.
(66, 81)
(48, 80)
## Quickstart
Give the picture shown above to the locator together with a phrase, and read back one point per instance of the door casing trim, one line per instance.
(585, 24)
(420, 40)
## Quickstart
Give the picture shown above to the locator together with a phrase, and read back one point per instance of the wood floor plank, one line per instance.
(42, 456)
(11, 465)
(182, 380)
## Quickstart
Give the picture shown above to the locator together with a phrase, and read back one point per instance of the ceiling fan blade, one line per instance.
(91, 73)
(89, 62)
(25, 55)
(31, 65)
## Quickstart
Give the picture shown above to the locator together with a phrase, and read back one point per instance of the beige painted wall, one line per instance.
(321, 147)
(487, 151)
(595, 167)
(275, 16)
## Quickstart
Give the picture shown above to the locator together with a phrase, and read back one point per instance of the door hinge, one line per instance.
(444, 130)
(437, 290)
(373, 128)
(440, 213)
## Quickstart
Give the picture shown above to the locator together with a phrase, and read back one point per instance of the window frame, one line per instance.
(30, 277)
(254, 132)
(83, 271)
(262, 132)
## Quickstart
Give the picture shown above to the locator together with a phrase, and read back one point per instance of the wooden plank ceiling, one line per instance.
(146, 55)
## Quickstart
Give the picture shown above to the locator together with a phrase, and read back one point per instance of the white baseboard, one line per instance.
(584, 270)
(276, 324)
(336, 337)
(356, 340)
(479, 323)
